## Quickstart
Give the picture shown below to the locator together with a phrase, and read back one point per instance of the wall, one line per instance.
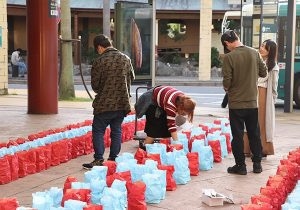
(19, 32)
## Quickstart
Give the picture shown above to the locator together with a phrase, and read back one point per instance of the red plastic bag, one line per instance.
(171, 147)
(74, 147)
(165, 141)
(216, 149)
(257, 199)
(261, 206)
(60, 152)
(3, 144)
(188, 134)
(294, 156)
(171, 183)
(228, 142)
(27, 162)
(193, 163)
(48, 155)
(77, 194)
(123, 176)
(214, 129)
(92, 207)
(136, 196)
(155, 157)
(5, 172)
(139, 155)
(14, 166)
(88, 146)
(68, 183)
(272, 193)
(8, 204)
(204, 127)
(40, 159)
(111, 167)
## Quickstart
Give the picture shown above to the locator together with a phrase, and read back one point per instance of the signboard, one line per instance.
(256, 2)
(269, 28)
(53, 8)
(133, 35)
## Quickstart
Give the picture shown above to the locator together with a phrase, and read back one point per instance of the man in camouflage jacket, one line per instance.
(111, 77)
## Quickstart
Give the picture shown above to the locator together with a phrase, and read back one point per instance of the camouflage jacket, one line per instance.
(111, 77)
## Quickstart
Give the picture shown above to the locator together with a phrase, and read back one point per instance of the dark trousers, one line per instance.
(114, 119)
(239, 118)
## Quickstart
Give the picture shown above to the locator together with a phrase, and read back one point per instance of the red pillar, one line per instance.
(42, 42)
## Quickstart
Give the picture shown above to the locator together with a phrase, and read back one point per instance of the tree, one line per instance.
(66, 82)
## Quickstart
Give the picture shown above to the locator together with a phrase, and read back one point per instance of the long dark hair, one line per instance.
(272, 48)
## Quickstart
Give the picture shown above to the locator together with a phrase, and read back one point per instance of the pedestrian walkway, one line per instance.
(15, 122)
(159, 80)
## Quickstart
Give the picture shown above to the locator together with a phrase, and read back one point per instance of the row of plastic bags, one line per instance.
(180, 164)
(161, 168)
(276, 193)
(20, 160)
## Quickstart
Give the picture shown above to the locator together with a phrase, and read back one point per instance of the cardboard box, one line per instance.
(213, 200)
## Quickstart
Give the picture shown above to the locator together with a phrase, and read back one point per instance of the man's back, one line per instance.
(241, 68)
(111, 79)
(14, 58)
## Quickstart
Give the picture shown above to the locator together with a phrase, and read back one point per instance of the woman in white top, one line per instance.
(267, 95)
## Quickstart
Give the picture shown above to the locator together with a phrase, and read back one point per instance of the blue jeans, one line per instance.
(114, 119)
(22, 68)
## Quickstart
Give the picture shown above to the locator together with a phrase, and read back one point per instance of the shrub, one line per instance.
(215, 57)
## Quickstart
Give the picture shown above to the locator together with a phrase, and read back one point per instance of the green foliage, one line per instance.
(91, 55)
(195, 57)
(233, 25)
(217, 25)
(88, 53)
(172, 58)
(215, 57)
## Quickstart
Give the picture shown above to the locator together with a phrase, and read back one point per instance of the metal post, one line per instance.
(106, 17)
(42, 56)
(290, 56)
(153, 57)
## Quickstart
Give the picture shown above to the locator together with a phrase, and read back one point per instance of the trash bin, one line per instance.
(14, 71)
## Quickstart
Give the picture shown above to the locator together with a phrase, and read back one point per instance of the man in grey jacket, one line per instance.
(241, 68)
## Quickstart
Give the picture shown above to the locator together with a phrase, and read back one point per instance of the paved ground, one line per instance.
(15, 122)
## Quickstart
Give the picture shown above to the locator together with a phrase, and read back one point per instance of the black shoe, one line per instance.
(237, 169)
(111, 159)
(257, 167)
(92, 164)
